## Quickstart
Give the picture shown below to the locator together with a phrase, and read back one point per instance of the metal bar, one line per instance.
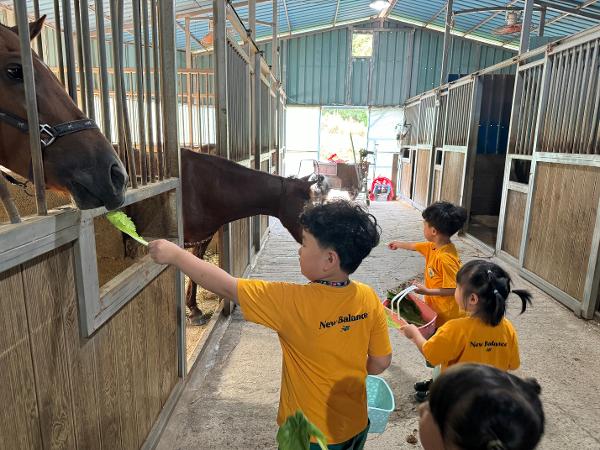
(588, 101)
(575, 106)
(139, 78)
(37, 164)
(156, 43)
(524, 113)
(568, 11)
(188, 63)
(549, 113)
(542, 25)
(104, 97)
(39, 43)
(148, 86)
(287, 17)
(87, 59)
(59, 45)
(526, 28)
(68, 35)
(495, 10)
(562, 81)
(447, 40)
(536, 99)
(82, 75)
(594, 123)
(566, 104)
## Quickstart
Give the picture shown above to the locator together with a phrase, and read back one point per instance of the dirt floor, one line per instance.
(208, 303)
(231, 402)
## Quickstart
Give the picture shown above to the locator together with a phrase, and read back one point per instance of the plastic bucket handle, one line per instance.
(399, 297)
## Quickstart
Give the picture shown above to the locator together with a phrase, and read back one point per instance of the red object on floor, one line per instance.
(381, 185)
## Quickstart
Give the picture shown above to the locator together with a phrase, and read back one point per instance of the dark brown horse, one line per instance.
(82, 163)
(216, 191)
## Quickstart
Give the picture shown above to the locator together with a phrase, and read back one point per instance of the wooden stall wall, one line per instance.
(452, 178)
(513, 225)
(62, 391)
(406, 173)
(240, 232)
(422, 177)
(437, 184)
(560, 237)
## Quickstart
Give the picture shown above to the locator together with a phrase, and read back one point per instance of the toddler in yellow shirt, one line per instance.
(485, 335)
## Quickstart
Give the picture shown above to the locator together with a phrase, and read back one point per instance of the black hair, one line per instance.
(344, 227)
(491, 283)
(445, 217)
(481, 407)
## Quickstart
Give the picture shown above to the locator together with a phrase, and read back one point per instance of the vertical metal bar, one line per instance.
(156, 43)
(556, 99)
(31, 104)
(188, 64)
(576, 98)
(566, 103)
(221, 100)
(87, 59)
(588, 100)
(527, 112)
(148, 86)
(594, 122)
(526, 28)
(82, 75)
(542, 24)
(59, 44)
(105, 96)
(447, 40)
(169, 92)
(515, 126)
(139, 77)
(549, 113)
(536, 99)
(39, 43)
(68, 34)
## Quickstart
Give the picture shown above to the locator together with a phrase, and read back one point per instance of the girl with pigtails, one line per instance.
(485, 335)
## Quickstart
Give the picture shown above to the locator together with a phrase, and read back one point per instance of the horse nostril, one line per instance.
(118, 177)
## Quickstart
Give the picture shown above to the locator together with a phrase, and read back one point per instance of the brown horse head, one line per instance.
(83, 163)
(298, 193)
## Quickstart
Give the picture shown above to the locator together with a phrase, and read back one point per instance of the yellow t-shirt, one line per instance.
(441, 266)
(471, 340)
(325, 334)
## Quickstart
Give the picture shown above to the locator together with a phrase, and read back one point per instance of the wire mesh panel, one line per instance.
(573, 108)
(459, 112)
(527, 113)
(426, 120)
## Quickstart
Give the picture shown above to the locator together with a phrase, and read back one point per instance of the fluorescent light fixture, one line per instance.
(380, 5)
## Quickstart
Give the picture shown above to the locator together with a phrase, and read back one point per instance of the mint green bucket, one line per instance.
(380, 402)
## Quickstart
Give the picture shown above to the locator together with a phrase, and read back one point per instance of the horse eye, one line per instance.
(15, 72)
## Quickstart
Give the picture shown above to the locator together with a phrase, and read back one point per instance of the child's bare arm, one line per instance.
(395, 245)
(209, 276)
(413, 333)
(377, 364)
(437, 292)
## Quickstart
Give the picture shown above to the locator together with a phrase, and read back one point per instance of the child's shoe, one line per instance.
(423, 386)
(421, 396)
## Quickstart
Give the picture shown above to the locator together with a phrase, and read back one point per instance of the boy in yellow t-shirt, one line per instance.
(485, 336)
(441, 221)
(332, 331)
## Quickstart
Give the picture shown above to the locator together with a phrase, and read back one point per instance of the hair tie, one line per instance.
(489, 272)
(496, 444)
(496, 292)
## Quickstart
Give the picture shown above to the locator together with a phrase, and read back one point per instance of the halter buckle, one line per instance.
(49, 131)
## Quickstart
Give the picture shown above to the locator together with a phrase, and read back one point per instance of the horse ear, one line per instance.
(35, 28)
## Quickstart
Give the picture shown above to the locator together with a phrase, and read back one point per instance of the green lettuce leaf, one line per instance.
(125, 224)
(296, 432)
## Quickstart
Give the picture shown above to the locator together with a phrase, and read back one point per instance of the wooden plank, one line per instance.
(121, 323)
(513, 224)
(19, 417)
(139, 322)
(562, 224)
(106, 366)
(437, 179)
(81, 356)
(452, 179)
(422, 177)
(46, 294)
(164, 287)
(406, 180)
(152, 354)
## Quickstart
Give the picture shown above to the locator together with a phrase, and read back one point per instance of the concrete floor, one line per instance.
(230, 402)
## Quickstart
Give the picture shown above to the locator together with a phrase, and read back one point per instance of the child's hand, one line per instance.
(163, 251)
(410, 331)
(394, 245)
(420, 289)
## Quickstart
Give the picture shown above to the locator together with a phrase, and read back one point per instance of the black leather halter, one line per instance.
(48, 133)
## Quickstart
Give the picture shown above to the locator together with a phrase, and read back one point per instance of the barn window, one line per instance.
(362, 45)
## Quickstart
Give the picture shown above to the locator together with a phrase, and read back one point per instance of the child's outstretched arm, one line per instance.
(395, 245)
(377, 364)
(413, 333)
(209, 276)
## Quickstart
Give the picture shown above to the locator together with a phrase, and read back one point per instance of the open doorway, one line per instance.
(490, 157)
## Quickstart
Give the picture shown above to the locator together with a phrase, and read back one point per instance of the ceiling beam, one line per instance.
(436, 15)
(386, 12)
(567, 14)
(287, 17)
(578, 11)
(191, 12)
(337, 8)
(486, 20)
